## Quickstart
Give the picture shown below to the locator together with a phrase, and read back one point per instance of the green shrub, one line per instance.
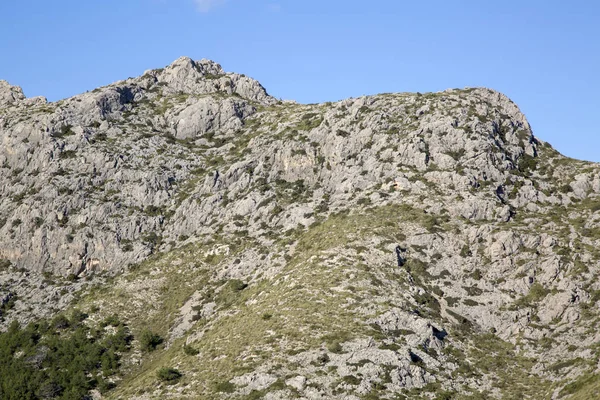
(190, 351)
(39, 362)
(230, 292)
(309, 121)
(153, 211)
(527, 164)
(153, 239)
(456, 155)
(351, 380)
(565, 188)
(111, 320)
(335, 347)
(445, 395)
(476, 274)
(39, 221)
(170, 375)
(149, 340)
(429, 302)
(60, 322)
(323, 359)
(364, 201)
(225, 387)
(463, 324)
(4, 264)
(473, 290)
(98, 137)
(67, 154)
(7, 304)
(78, 316)
(64, 131)
(465, 251)
(536, 293)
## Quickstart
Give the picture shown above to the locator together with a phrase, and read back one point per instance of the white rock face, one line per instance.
(10, 94)
(207, 115)
(297, 382)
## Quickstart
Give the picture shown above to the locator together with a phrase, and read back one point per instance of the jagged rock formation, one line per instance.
(43, 144)
(390, 245)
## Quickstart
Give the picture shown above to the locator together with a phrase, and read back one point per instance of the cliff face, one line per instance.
(390, 245)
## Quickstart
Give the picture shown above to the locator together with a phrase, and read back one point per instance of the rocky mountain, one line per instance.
(397, 246)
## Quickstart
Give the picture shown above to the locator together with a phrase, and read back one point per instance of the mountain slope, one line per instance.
(416, 245)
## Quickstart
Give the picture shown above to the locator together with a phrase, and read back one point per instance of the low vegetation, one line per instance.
(63, 358)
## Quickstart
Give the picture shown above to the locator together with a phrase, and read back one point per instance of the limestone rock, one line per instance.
(10, 94)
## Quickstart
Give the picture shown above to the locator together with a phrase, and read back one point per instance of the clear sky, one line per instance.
(545, 55)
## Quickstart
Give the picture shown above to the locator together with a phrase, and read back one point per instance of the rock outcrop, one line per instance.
(10, 94)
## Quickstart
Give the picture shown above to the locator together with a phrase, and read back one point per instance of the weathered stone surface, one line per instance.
(10, 94)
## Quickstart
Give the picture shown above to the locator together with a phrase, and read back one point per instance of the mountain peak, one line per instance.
(10, 94)
(203, 66)
(206, 76)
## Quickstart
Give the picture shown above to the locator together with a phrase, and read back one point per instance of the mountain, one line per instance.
(185, 235)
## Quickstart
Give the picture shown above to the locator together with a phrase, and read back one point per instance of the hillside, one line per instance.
(396, 246)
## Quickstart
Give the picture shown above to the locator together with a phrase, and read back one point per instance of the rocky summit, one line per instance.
(185, 235)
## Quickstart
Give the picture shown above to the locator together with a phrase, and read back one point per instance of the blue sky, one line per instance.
(545, 55)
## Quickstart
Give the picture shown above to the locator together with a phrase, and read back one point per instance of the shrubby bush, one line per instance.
(170, 375)
(190, 351)
(41, 361)
(149, 340)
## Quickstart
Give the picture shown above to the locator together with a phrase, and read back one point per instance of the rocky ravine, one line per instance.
(415, 245)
